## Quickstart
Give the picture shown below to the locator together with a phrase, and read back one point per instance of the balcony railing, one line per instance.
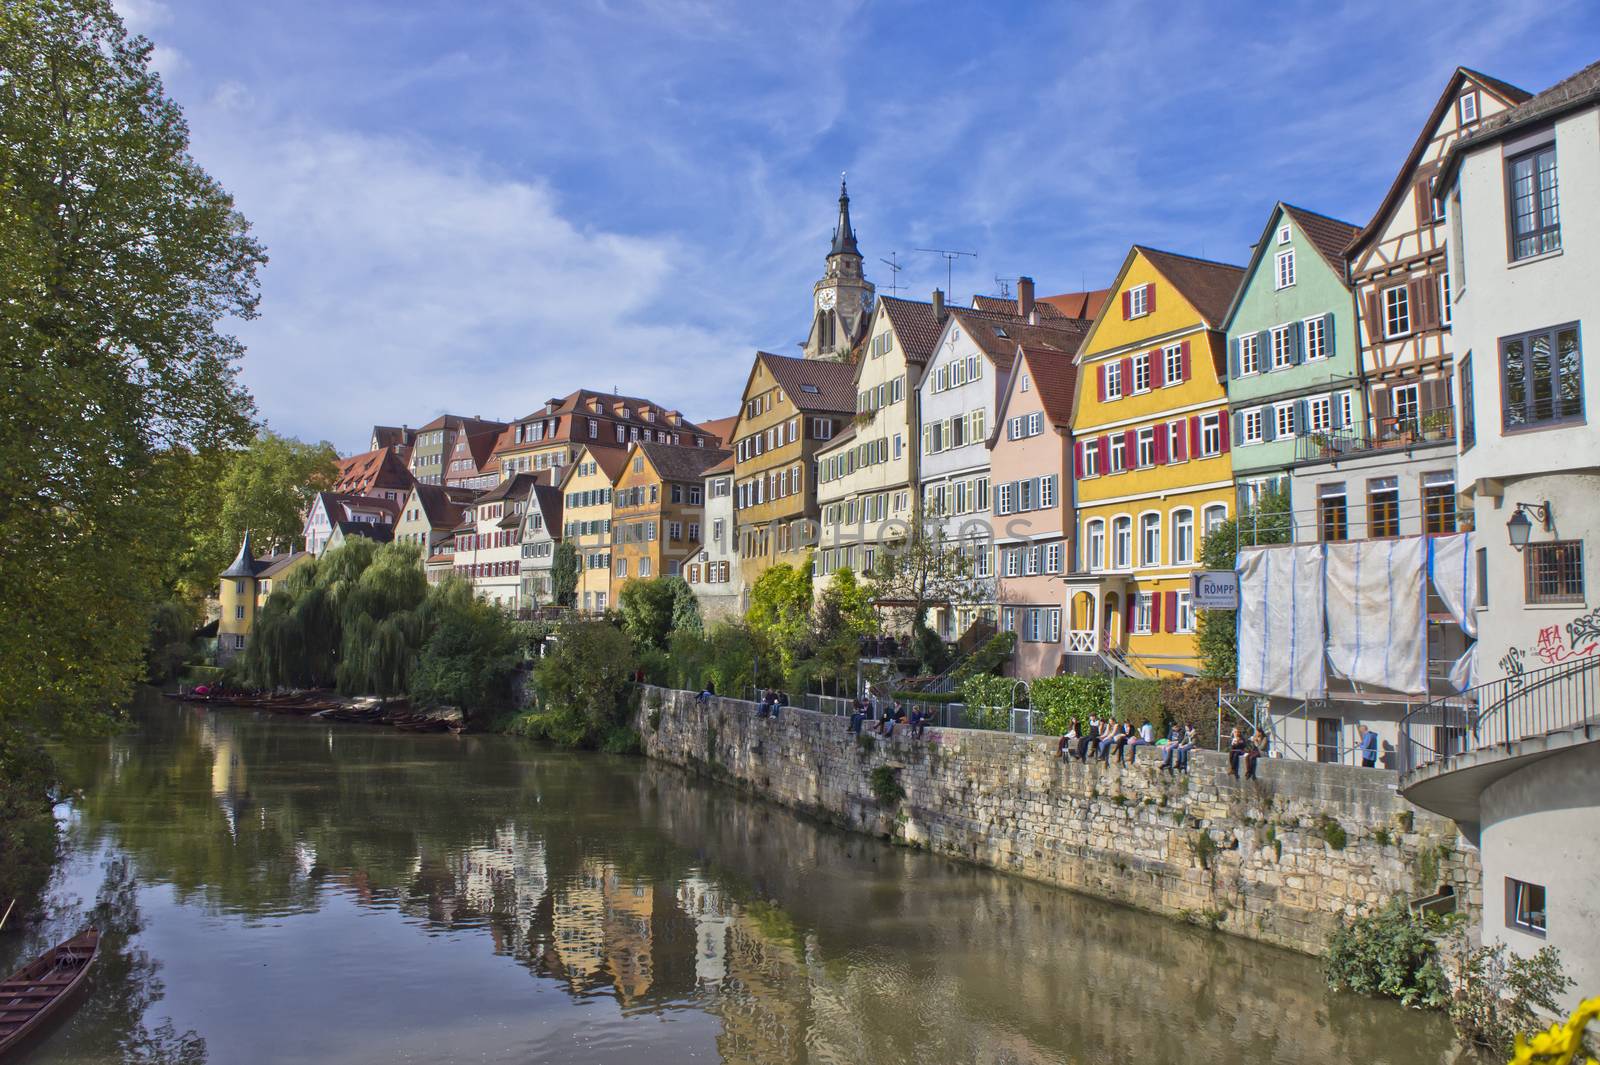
(1082, 642)
(1423, 428)
(1532, 703)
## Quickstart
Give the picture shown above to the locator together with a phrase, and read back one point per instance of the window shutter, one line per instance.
(1127, 305)
(1233, 358)
(1172, 611)
(1382, 406)
(1194, 434)
(1238, 426)
(1427, 300)
(1077, 460)
(1297, 342)
(1373, 316)
(1302, 416)
(1222, 430)
(1422, 198)
(1127, 625)
(1158, 368)
(1155, 611)
(1416, 296)
(1161, 445)
(1182, 441)
(1185, 349)
(1105, 454)
(1327, 335)
(1150, 298)
(1101, 376)
(1055, 490)
(1130, 445)
(1335, 411)
(1127, 375)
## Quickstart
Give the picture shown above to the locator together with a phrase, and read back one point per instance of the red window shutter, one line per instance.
(1194, 434)
(1374, 317)
(1222, 429)
(1150, 298)
(1158, 369)
(1077, 460)
(1101, 375)
(1127, 305)
(1127, 376)
(1127, 625)
(1172, 611)
(1130, 444)
(1185, 376)
(1161, 445)
(1155, 612)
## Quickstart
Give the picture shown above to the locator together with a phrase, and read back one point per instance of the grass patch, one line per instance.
(886, 787)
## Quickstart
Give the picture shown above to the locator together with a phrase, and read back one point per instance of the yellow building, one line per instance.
(587, 490)
(659, 510)
(791, 408)
(243, 589)
(1150, 459)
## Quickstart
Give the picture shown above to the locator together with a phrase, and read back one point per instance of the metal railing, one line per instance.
(1515, 707)
(1436, 426)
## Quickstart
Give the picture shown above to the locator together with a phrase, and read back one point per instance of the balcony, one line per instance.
(1422, 429)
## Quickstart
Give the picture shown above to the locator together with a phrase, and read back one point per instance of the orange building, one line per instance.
(658, 511)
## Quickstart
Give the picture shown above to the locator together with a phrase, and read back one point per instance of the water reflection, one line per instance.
(357, 894)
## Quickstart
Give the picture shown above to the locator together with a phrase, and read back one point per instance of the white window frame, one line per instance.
(1141, 372)
(1139, 301)
(1395, 306)
(1094, 536)
(1283, 234)
(1114, 379)
(1283, 414)
(1249, 347)
(1143, 604)
(1210, 435)
(1319, 414)
(1176, 519)
(1144, 442)
(1172, 359)
(1251, 426)
(1118, 460)
(1122, 549)
(1282, 348)
(1213, 515)
(1467, 107)
(1315, 327)
(1184, 622)
(1149, 524)
(1283, 276)
(1091, 458)
(1035, 422)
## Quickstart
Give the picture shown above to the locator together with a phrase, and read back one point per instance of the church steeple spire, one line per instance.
(844, 235)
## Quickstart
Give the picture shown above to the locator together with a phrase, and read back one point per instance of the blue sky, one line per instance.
(477, 206)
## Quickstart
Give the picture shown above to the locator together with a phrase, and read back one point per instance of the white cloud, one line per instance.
(141, 16)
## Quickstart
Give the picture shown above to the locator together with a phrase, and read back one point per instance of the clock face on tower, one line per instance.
(826, 298)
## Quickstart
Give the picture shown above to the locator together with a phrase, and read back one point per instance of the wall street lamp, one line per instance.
(1519, 527)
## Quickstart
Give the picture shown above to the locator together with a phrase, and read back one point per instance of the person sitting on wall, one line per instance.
(1368, 746)
(1124, 735)
(919, 721)
(857, 715)
(1236, 752)
(1090, 739)
(1169, 750)
(1108, 739)
(1145, 737)
(1253, 751)
(705, 694)
(1069, 741)
(1185, 745)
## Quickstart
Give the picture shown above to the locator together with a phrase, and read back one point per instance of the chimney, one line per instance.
(938, 305)
(1025, 299)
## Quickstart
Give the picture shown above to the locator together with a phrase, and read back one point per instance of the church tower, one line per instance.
(842, 301)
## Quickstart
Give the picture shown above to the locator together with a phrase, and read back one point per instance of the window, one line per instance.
(622, 567)
(1035, 423)
(1283, 234)
(1141, 372)
(1250, 424)
(1283, 420)
(1406, 403)
(1215, 515)
(1047, 492)
(1316, 334)
(822, 428)
(1052, 558)
(1446, 314)
(1172, 356)
(1467, 107)
(1122, 542)
(1091, 458)
(1534, 203)
(1026, 382)
(1285, 275)
(644, 567)
(1439, 502)
(1183, 616)
(1143, 603)
(1210, 435)
(1333, 518)
(1147, 447)
(1139, 301)
(1396, 312)
(1150, 540)
(1114, 380)
(1119, 457)
(1469, 432)
(1383, 506)
(1003, 498)
(1249, 357)
(1096, 537)
(1525, 906)
(1541, 378)
(1282, 347)
(1553, 572)
(238, 611)
(1182, 537)
(1319, 413)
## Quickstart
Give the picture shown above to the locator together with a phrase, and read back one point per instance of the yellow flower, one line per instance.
(1559, 1045)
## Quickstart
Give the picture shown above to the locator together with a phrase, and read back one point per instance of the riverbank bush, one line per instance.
(1392, 953)
(584, 688)
(27, 825)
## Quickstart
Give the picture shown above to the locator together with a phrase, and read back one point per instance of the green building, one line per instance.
(1294, 380)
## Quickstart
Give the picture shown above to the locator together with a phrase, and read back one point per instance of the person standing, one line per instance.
(1368, 746)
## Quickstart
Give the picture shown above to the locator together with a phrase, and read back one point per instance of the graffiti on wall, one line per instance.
(1552, 647)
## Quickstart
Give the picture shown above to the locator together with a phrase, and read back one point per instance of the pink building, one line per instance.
(1030, 460)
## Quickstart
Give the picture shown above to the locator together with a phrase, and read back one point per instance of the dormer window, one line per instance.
(1468, 108)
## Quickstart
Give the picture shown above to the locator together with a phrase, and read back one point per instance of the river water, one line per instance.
(278, 890)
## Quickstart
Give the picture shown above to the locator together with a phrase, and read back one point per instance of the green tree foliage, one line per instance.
(583, 685)
(1393, 953)
(649, 605)
(923, 570)
(724, 657)
(171, 644)
(842, 617)
(780, 612)
(685, 608)
(119, 257)
(564, 574)
(264, 488)
(470, 657)
(1269, 522)
(989, 700)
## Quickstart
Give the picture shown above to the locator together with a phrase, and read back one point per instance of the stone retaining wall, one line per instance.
(1262, 859)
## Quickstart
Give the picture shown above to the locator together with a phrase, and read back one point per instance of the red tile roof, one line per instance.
(1000, 335)
(813, 384)
(915, 326)
(1208, 286)
(383, 468)
(1328, 235)
(676, 463)
(721, 428)
(1054, 376)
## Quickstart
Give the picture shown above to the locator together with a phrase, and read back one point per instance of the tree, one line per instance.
(264, 488)
(647, 605)
(842, 617)
(780, 612)
(564, 574)
(172, 641)
(1268, 522)
(119, 257)
(925, 569)
(583, 685)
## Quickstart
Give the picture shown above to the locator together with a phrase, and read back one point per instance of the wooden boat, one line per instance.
(45, 990)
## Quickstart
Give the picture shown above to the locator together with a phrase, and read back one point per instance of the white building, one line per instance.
(541, 531)
(490, 555)
(713, 574)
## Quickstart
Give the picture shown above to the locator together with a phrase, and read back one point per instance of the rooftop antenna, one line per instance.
(1004, 284)
(949, 264)
(893, 263)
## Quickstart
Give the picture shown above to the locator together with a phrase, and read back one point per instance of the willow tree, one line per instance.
(119, 259)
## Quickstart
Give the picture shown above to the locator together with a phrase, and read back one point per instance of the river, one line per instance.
(278, 890)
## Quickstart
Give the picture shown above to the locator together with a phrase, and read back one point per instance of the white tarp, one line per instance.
(1280, 621)
(1377, 615)
(1455, 579)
